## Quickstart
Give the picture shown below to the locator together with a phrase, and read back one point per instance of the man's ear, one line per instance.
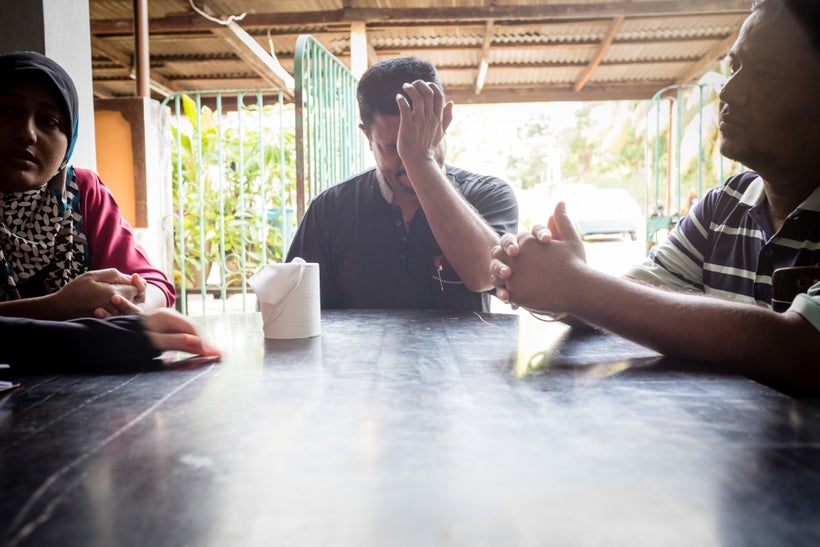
(366, 134)
(447, 116)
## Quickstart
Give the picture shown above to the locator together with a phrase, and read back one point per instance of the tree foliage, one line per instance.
(230, 175)
(660, 151)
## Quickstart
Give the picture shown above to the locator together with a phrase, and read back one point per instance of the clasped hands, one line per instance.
(100, 293)
(541, 271)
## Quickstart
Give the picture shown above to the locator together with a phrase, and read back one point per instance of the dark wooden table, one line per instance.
(410, 428)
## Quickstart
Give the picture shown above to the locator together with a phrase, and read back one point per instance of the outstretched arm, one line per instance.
(779, 349)
(169, 331)
(464, 237)
(95, 344)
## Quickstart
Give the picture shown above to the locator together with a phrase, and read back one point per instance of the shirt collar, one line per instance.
(754, 195)
(812, 203)
(384, 188)
(387, 192)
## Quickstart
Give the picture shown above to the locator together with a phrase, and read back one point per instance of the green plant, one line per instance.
(229, 172)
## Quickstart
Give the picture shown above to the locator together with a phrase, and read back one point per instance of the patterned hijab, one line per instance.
(41, 230)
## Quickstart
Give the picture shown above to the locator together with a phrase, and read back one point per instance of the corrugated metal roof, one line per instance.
(536, 50)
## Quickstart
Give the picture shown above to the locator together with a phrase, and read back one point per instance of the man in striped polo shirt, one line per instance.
(720, 259)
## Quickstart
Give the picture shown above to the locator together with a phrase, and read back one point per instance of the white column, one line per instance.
(358, 48)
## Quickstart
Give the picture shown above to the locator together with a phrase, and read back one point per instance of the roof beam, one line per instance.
(548, 66)
(543, 93)
(265, 64)
(156, 82)
(557, 11)
(395, 52)
(484, 63)
(590, 69)
(708, 60)
(249, 50)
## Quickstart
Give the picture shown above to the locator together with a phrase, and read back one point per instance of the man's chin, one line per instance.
(749, 157)
(408, 190)
(405, 185)
(735, 153)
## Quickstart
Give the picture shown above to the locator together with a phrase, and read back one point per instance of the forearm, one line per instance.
(85, 344)
(32, 308)
(464, 237)
(781, 349)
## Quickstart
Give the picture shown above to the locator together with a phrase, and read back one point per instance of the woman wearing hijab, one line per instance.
(65, 250)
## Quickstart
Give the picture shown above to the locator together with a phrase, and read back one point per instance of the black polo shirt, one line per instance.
(367, 260)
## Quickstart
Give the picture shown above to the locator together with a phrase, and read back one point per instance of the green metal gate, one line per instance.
(329, 144)
(244, 166)
(682, 153)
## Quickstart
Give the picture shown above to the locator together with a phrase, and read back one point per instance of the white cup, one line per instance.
(289, 299)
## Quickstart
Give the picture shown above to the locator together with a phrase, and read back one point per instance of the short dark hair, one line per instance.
(381, 83)
(806, 12)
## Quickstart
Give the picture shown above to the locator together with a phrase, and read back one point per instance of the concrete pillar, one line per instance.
(61, 30)
(358, 48)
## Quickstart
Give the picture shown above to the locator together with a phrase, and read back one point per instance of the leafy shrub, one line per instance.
(230, 172)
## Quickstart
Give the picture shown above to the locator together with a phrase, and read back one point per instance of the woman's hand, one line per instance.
(91, 295)
(169, 331)
(123, 305)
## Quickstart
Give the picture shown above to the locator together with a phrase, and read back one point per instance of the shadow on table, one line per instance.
(591, 356)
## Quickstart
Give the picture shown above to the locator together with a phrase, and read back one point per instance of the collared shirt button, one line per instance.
(767, 253)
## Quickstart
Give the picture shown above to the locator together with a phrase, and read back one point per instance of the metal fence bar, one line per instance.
(686, 125)
(221, 200)
(232, 171)
(242, 175)
(242, 178)
(200, 201)
(326, 111)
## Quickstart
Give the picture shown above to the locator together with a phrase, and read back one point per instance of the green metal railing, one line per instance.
(244, 166)
(233, 179)
(329, 145)
(682, 152)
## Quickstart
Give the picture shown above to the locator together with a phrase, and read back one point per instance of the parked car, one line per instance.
(602, 211)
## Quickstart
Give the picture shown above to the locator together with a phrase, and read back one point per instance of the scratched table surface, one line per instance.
(410, 428)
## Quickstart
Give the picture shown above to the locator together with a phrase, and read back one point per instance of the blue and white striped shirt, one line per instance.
(726, 247)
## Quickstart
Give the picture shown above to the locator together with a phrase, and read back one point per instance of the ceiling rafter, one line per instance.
(711, 57)
(158, 83)
(608, 92)
(587, 74)
(562, 10)
(251, 52)
(484, 61)
(572, 49)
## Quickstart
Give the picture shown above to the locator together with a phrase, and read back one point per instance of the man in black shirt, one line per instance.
(411, 232)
